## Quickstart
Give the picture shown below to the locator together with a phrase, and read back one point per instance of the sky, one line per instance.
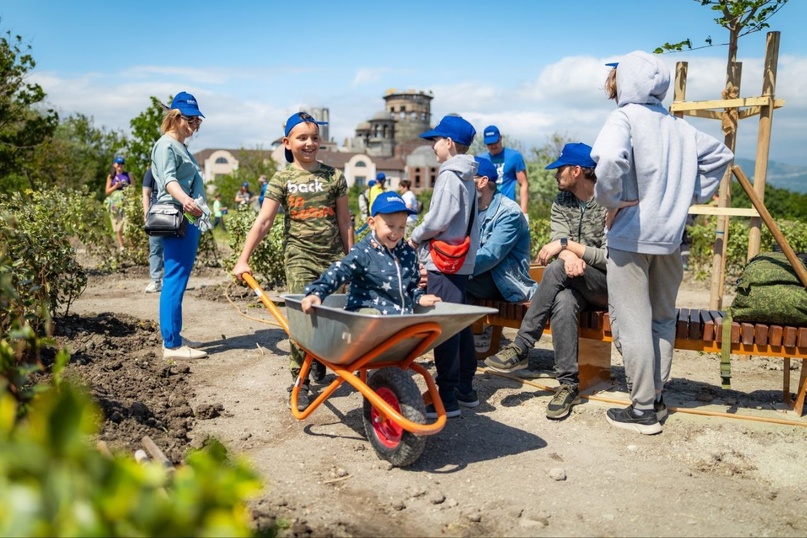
(534, 68)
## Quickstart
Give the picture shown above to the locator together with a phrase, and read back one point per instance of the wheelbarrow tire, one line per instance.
(390, 441)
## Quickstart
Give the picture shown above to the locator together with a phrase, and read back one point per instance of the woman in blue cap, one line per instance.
(176, 173)
(117, 180)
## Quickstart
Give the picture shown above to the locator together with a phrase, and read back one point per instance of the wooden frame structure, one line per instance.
(734, 108)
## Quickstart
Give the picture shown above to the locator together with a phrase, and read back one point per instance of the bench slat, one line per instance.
(761, 334)
(802, 340)
(775, 335)
(790, 336)
(695, 324)
(682, 329)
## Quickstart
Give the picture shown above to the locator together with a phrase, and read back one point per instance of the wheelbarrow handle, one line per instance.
(267, 302)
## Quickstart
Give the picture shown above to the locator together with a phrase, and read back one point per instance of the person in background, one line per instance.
(510, 166)
(155, 243)
(573, 282)
(178, 180)
(243, 196)
(116, 181)
(364, 203)
(218, 213)
(502, 269)
(317, 228)
(651, 166)
(262, 182)
(378, 188)
(450, 218)
(411, 201)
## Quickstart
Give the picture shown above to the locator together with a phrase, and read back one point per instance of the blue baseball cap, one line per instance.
(486, 168)
(245, 184)
(380, 176)
(390, 202)
(186, 103)
(492, 134)
(454, 127)
(371, 183)
(294, 120)
(119, 160)
(575, 154)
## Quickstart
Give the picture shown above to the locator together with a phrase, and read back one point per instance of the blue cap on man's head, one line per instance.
(454, 127)
(186, 103)
(492, 134)
(486, 168)
(390, 202)
(119, 160)
(380, 176)
(575, 154)
(294, 120)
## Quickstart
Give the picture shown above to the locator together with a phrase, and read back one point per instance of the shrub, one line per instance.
(267, 258)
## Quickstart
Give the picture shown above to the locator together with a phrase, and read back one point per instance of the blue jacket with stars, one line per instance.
(379, 278)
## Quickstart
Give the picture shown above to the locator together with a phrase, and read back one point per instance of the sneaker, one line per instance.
(153, 287)
(625, 418)
(452, 410)
(509, 359)
(303, 397)
(191, 343)
(318, 371)
(561, 404)
(183, 352)
(470, 399)
(660, 409)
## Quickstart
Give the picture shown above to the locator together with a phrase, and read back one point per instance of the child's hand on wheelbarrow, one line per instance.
(429, 300)
(310, 302)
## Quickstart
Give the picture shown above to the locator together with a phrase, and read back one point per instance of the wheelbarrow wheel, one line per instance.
(390, 441)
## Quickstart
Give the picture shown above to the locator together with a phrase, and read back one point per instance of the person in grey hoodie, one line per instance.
(451, 212)
(651, 166)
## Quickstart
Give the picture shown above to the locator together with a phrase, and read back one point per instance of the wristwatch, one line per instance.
(564, 242)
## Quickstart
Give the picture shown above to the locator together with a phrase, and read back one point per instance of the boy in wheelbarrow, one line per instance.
(382, 268)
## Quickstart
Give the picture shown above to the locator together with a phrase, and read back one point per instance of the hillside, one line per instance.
(782, 176)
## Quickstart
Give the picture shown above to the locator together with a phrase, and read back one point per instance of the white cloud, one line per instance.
(247, 107)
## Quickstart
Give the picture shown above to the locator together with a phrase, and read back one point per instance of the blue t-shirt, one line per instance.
(508, 163)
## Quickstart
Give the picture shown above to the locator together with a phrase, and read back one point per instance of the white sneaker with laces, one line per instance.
(183, 352)
(153, 287)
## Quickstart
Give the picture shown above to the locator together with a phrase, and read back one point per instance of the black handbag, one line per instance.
(165, 220)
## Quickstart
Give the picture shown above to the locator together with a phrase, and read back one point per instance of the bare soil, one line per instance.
(502, 469)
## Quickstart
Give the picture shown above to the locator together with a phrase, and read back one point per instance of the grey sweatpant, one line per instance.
(641, 302)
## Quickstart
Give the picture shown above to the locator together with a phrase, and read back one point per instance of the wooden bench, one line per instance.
(696, 330)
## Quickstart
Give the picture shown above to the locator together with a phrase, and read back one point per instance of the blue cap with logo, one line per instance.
(492, 134)
(390, 202)
(119, 160)
(486, 168)
(186, 103)
(454, 127)
(575, 154)
(294, 120)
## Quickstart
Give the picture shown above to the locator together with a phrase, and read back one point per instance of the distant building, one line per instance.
(389, 142)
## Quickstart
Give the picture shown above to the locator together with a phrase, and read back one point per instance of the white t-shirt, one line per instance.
(411, 202)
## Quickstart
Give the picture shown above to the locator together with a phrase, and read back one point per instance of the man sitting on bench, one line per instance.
(573, 282)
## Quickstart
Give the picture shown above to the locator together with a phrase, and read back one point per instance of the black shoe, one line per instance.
(470, 399)
(318, 371)
(660, 409)
(452, 410)
(563, 400)
(627, 419)
(303, 397)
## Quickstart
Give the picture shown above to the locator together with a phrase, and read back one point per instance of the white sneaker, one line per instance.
(191, 343)
(183, 352)
(153, 287)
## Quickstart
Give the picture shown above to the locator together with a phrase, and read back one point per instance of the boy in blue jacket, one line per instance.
(382, 268)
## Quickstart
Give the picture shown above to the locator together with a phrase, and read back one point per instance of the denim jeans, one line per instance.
(564, 298)
(156, 259)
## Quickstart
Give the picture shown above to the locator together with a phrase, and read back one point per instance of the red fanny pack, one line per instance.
(449, 258)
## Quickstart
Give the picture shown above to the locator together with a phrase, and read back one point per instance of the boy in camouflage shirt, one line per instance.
(316, 227)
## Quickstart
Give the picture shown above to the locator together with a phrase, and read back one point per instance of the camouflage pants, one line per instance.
(297, 278)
